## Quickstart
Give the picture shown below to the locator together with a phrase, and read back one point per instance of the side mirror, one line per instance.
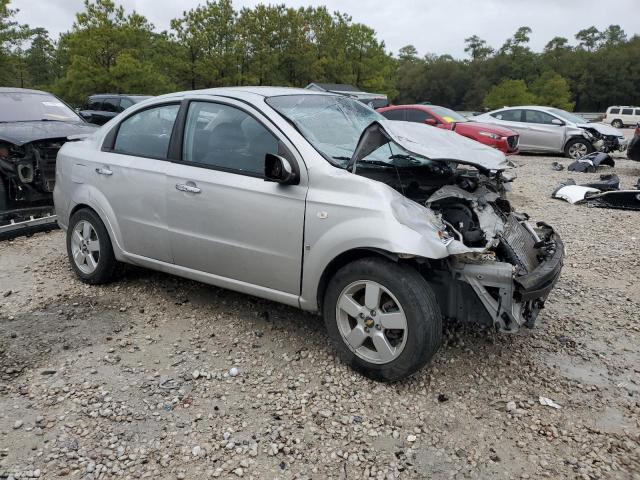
(431, 121)
(557, 121)
(278, 169)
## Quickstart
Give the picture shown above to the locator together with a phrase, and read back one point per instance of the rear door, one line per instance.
(626, 115)
(513, 118)
(542, 133)
(223, 218)
(110, 108)
(130, 174)
(91, 110)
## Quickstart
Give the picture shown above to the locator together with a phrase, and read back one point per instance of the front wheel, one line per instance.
(383, 318)
(89, 248)
(617, 124)
(578, 148)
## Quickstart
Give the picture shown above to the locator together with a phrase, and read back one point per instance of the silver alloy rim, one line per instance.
(371, 322)
(577, 150)
(85, 247)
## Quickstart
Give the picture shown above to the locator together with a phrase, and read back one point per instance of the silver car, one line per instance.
(551, 130)
(316, 201)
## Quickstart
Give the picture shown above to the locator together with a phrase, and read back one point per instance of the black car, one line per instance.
(33, 127)
(101, 108)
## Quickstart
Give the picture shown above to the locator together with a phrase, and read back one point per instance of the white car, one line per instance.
(552, 130)
(621, 116)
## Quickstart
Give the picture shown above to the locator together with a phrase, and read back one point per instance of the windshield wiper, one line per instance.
(338, 157)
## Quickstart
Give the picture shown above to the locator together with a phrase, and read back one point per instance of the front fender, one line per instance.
(325, 242)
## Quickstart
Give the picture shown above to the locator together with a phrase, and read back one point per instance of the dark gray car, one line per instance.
(99, 109)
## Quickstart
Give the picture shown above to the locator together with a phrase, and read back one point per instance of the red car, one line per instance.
(492, 135)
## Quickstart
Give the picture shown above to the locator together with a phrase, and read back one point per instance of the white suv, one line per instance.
(622, 116)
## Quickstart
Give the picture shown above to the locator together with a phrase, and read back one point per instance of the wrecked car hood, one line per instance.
(601, 128)
(21, 133)
(426, 141)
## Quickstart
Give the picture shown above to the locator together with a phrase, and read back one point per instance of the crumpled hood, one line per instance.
(602, 128)
(21, 133)
(428, 142)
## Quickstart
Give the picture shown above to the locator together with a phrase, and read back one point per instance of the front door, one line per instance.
(223, 217)
(542, 134)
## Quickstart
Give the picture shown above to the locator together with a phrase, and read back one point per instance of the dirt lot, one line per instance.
(133, 379)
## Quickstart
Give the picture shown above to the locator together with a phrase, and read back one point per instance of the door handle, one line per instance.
(187, 188)
(104, 171)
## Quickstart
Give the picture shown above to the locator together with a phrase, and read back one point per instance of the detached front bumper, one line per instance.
(514, 293)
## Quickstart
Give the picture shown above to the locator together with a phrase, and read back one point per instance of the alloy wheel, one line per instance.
(578, 150)
(371, 322)
(85, 247)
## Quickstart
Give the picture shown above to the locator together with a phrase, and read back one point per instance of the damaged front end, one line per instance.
(604, 138)
(500, 269)
(29, 171)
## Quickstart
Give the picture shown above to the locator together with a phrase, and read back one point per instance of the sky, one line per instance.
(432, 26)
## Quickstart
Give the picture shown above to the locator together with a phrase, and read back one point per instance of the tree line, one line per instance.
(109, 49)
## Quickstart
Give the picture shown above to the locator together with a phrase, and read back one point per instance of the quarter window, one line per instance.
(535, 116)
(395, 114)
(147, 133)
(508, 115)
(638, 111)
(627, 111)
(124, 104)
(222, 136)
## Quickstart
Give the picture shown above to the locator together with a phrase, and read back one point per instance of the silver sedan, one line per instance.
(552, 130)
(316, 201)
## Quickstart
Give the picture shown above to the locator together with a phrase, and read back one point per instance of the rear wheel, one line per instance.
(617, 124)
(89, 248)
(383, 318)
(578, 148)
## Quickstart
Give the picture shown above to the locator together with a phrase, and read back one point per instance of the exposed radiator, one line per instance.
(520, 243)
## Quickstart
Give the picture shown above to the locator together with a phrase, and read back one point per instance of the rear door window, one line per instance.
(535, 116)
(147, 133)
(225, 137)
(627, 111)
(508, 115)
(111, 105)
(418, 116)
(94, 104)
(638, 111)
(395, 114)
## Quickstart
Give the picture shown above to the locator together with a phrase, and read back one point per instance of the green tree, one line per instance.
(553, 90)
(589, 38)
(110, 51)
(509, 93)
(12, 35)
(40, 59)
(477, 48)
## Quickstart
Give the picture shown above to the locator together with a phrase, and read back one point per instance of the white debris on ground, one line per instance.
(159, 377)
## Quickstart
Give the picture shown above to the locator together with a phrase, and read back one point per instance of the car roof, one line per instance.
(119, 95)
(246, 92)
(22, 90)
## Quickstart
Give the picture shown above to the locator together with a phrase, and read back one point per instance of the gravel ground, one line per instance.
(159, 377)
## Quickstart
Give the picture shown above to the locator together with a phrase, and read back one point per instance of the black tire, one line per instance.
(418, 301)
(4, 195)
(106, 264)
(575, 141)
(617, 124)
